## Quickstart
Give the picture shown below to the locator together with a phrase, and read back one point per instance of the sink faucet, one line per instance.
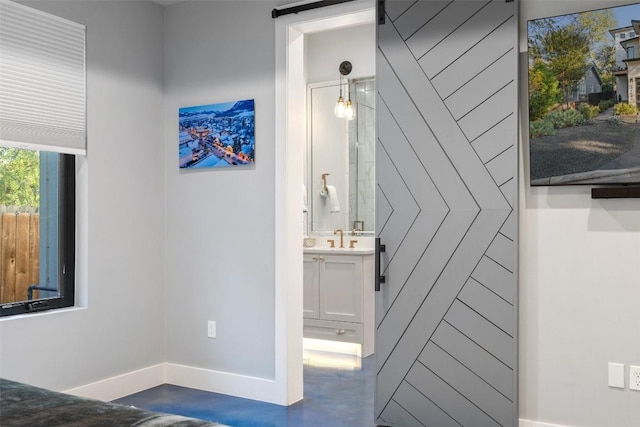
(336, 231)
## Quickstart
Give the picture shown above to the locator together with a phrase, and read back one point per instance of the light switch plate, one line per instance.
(616, 375)
(211, 329)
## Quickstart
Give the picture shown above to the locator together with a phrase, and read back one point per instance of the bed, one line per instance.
(26, 405)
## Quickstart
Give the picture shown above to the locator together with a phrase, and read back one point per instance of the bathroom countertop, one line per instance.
(328, 250)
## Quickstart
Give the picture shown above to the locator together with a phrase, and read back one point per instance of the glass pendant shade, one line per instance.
(339, 109)
(349, 111)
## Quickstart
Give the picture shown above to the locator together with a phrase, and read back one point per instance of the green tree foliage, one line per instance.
(543, 90)
(567, 52)
(536, 30)
(19, 177)
(569, 43)
(605, 60)
(596, 25)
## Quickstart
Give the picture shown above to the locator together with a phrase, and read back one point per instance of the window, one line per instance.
(42, 129)
(632, 34)
(631, 52)
(37, 251)
(623, 35)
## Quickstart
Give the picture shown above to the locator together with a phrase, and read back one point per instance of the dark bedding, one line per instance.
(25, 405)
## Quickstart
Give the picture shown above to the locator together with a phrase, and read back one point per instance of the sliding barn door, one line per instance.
(446, 164)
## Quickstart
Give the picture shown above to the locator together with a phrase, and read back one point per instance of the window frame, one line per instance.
(66, 247)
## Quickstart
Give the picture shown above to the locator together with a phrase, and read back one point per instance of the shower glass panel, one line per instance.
(362, 140)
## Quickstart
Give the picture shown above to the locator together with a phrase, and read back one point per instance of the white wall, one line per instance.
(324, 51)
(121, 213)
(579, 289)
(327, 49)
(220, 222)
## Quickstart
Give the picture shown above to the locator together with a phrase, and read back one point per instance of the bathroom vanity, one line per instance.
(339, 295)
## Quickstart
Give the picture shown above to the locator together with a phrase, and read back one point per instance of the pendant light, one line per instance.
(349, 111)
(339, 109)
(342, 109)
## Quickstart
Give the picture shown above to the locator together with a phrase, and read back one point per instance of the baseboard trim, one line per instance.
(122, 385)
(222, 382)
(185, 376)
(529, 423)
(247, 387)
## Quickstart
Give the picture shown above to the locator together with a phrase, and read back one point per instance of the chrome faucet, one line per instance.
(336, 231)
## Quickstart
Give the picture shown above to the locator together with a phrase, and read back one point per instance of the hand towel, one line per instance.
(305, 208)
(334, 204)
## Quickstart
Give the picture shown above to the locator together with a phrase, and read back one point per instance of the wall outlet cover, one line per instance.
(634, 378)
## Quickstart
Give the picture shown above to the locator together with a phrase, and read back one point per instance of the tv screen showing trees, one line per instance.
(584, 96)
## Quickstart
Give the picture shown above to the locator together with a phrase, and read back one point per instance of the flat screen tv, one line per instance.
(584, 97)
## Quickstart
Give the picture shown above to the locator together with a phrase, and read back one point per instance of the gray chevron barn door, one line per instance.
(446, 170)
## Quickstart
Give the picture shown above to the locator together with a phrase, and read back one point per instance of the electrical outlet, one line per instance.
(634, 377)
(211, 329)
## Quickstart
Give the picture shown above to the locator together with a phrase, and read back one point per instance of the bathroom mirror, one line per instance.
(343, 152)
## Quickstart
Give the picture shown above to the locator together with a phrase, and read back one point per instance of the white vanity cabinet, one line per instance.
(338, 296)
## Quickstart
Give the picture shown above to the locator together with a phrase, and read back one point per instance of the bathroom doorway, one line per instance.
(295, 31)
(339, 183)
(338, 294)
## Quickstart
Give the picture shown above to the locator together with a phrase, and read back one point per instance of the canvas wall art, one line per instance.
(217, 135)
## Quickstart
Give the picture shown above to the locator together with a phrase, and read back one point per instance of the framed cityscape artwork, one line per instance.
(217, 135)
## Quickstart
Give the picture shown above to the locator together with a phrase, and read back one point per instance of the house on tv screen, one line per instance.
(627, 72)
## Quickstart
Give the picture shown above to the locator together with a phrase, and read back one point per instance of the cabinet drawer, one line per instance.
(333, 331)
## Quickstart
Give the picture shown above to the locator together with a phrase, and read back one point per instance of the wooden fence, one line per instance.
(595, 98)
(19, 255)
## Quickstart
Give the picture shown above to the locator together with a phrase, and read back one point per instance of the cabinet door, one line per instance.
(341, 288)
(310, 286)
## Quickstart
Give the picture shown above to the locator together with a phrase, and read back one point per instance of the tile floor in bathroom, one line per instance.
(336, 394)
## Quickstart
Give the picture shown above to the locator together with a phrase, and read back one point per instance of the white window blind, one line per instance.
(42, 80)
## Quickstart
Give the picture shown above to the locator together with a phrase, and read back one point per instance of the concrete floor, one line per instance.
(333, 396)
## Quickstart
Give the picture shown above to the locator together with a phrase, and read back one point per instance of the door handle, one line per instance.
(381, 12)
(379, 279)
